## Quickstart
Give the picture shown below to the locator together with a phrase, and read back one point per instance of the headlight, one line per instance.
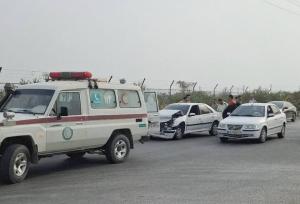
(222, 126)
(250, 127)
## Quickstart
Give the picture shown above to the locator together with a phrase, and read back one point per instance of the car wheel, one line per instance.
(263, 135)
(294, 117)
(179, 133)
(214, 129)
(117, 149)
(223, 139)
(76, 155)
(15, 163)
(282, 133)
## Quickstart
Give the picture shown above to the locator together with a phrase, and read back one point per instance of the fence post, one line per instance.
(194, 86)
(215, 90)
(170, 90)
(230, 91)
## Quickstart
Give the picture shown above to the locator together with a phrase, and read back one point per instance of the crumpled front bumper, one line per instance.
(164, 134)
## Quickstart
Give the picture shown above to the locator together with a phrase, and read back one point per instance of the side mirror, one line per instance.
(270, 115)
(192, 114)
(63, 112)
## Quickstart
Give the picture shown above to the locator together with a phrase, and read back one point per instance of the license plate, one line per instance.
(234, 132)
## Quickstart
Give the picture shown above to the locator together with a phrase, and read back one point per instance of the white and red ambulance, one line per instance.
(70, 114)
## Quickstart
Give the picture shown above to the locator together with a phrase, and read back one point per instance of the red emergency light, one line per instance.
(70, 75)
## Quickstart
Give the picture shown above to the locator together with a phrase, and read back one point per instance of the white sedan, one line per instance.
(253, 121)
(178, 119)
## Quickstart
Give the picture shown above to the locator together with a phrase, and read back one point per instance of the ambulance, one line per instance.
(70, 114)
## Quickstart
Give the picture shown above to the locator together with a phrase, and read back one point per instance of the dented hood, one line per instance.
(166, 115)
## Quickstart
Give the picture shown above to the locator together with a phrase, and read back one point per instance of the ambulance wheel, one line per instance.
(15, 163)
(117, 149)
(223, 139)
(76, 155)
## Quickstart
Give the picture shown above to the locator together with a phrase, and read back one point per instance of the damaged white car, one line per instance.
(178, 119)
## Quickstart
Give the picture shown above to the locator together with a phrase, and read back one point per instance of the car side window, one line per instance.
(204, 109)
(195, 109)
(275, 110)
(69, 100)
(269, 110)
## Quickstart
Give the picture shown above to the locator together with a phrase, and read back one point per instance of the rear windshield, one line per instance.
(183, 108)
(249, 111)
(279, 104)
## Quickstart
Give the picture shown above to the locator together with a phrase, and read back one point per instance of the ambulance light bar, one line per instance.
(70, 75)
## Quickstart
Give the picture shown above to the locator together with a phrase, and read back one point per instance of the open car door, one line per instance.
(153, 111)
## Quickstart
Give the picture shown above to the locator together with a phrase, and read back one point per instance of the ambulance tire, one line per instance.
(117, 149)
(15, 163)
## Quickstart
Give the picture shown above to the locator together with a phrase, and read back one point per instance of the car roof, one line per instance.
(72, 85)
(189, 104)
(256, 104)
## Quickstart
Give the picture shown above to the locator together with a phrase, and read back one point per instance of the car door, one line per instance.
(207, 117)
(271, 121)
(66, 130)
(279, 120)
(193, 121)
(289, 110)
(152, 111)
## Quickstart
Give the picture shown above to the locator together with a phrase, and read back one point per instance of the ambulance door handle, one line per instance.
(79, 123)
(56, 125)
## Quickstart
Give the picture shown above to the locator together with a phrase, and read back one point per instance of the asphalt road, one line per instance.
(197, 169)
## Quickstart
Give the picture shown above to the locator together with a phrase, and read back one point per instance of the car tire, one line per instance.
(117, 149)
(223, 139)
(294, 117)
(15, 164)
(263, 135)
(282, 132)
(214, 129)
(179, 133)
(75, 155)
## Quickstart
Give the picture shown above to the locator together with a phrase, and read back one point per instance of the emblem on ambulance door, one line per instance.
(67, 133)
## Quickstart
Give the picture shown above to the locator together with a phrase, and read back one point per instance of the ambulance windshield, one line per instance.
(28, 101)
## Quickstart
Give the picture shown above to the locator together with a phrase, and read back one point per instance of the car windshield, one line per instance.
(183, 108)
(279, 104)
(30, 101)
(249, 111)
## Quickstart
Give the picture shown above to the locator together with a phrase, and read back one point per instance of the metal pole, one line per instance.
(194, 86)
(215, 89)
(110, 78)
(230, 91)
(170, 90)
(143, 83)
(246, 89)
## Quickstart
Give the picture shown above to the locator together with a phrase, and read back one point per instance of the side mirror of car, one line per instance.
(192, 114)
(63, 112)
(270, 115)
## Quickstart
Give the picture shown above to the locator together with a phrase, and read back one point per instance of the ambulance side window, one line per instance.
(103, 98)
(70, 100)
(129, 99)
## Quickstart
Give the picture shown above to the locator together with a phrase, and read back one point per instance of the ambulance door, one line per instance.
(66, 130)
(153, 111)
